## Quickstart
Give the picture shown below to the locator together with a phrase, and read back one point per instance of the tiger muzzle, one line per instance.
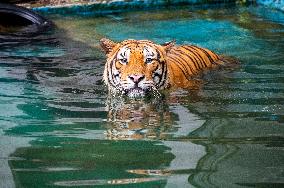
(136, 78)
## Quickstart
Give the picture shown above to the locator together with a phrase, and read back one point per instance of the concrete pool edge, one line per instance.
(112, 6)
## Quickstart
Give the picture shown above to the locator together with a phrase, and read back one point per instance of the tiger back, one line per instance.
(186, 61)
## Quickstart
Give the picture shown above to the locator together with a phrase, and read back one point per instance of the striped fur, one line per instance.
(137, 67)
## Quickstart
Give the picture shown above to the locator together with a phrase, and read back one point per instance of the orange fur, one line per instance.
(160, 66)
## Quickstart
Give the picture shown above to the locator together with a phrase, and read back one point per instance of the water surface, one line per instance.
(59, 127)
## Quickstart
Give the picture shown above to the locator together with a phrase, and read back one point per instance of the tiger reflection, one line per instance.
(138, 119)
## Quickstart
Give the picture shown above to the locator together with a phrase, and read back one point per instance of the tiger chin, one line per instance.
(136, 68)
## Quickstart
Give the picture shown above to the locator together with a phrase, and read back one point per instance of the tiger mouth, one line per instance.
(136, 92)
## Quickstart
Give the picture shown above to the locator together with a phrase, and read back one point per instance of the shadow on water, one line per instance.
(66, 131)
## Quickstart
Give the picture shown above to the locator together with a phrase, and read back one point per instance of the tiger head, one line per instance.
(135, 67)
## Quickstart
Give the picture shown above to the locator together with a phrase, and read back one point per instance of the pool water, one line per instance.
(59, 127)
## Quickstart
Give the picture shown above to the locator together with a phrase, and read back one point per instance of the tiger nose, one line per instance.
(136, 78)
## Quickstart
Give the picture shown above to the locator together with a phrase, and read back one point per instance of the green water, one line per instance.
(58, 127)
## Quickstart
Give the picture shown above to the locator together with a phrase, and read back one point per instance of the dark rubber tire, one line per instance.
(13, 15)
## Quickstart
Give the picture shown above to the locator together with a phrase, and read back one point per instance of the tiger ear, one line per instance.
(107, 45)
(168, 45)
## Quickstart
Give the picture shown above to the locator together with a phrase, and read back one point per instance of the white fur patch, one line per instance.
(123, 53)
(149, 52)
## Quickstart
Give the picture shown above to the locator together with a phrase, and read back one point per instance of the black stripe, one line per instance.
(184, 65)
(156, 68)
(180, 61)
(109, 81)
(189, 65)
(178, 65)
(208, 55)
(194, 61)
(192, 50)
(216, 56)
(158, 54)
(165, 75)
(197, 53)
(111, 73)
(159, 75)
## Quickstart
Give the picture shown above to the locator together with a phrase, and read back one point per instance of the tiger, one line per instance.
(136, 68)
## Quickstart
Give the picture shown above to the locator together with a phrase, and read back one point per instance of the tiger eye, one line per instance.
(123, 61)
(148, 60)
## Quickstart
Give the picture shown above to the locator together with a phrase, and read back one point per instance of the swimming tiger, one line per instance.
(137, 67)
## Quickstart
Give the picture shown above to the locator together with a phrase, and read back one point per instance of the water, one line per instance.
(58, 127)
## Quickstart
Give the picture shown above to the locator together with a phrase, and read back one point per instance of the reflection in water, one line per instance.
(155, 118)
(106, 182)
(138, 119)
(106, 162)
(229, 133)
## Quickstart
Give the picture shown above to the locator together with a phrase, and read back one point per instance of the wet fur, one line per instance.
(169, 66)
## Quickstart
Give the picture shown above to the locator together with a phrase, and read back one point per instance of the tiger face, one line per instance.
(135, 67)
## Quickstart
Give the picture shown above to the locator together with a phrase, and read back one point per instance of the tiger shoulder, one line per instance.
(187, 61)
